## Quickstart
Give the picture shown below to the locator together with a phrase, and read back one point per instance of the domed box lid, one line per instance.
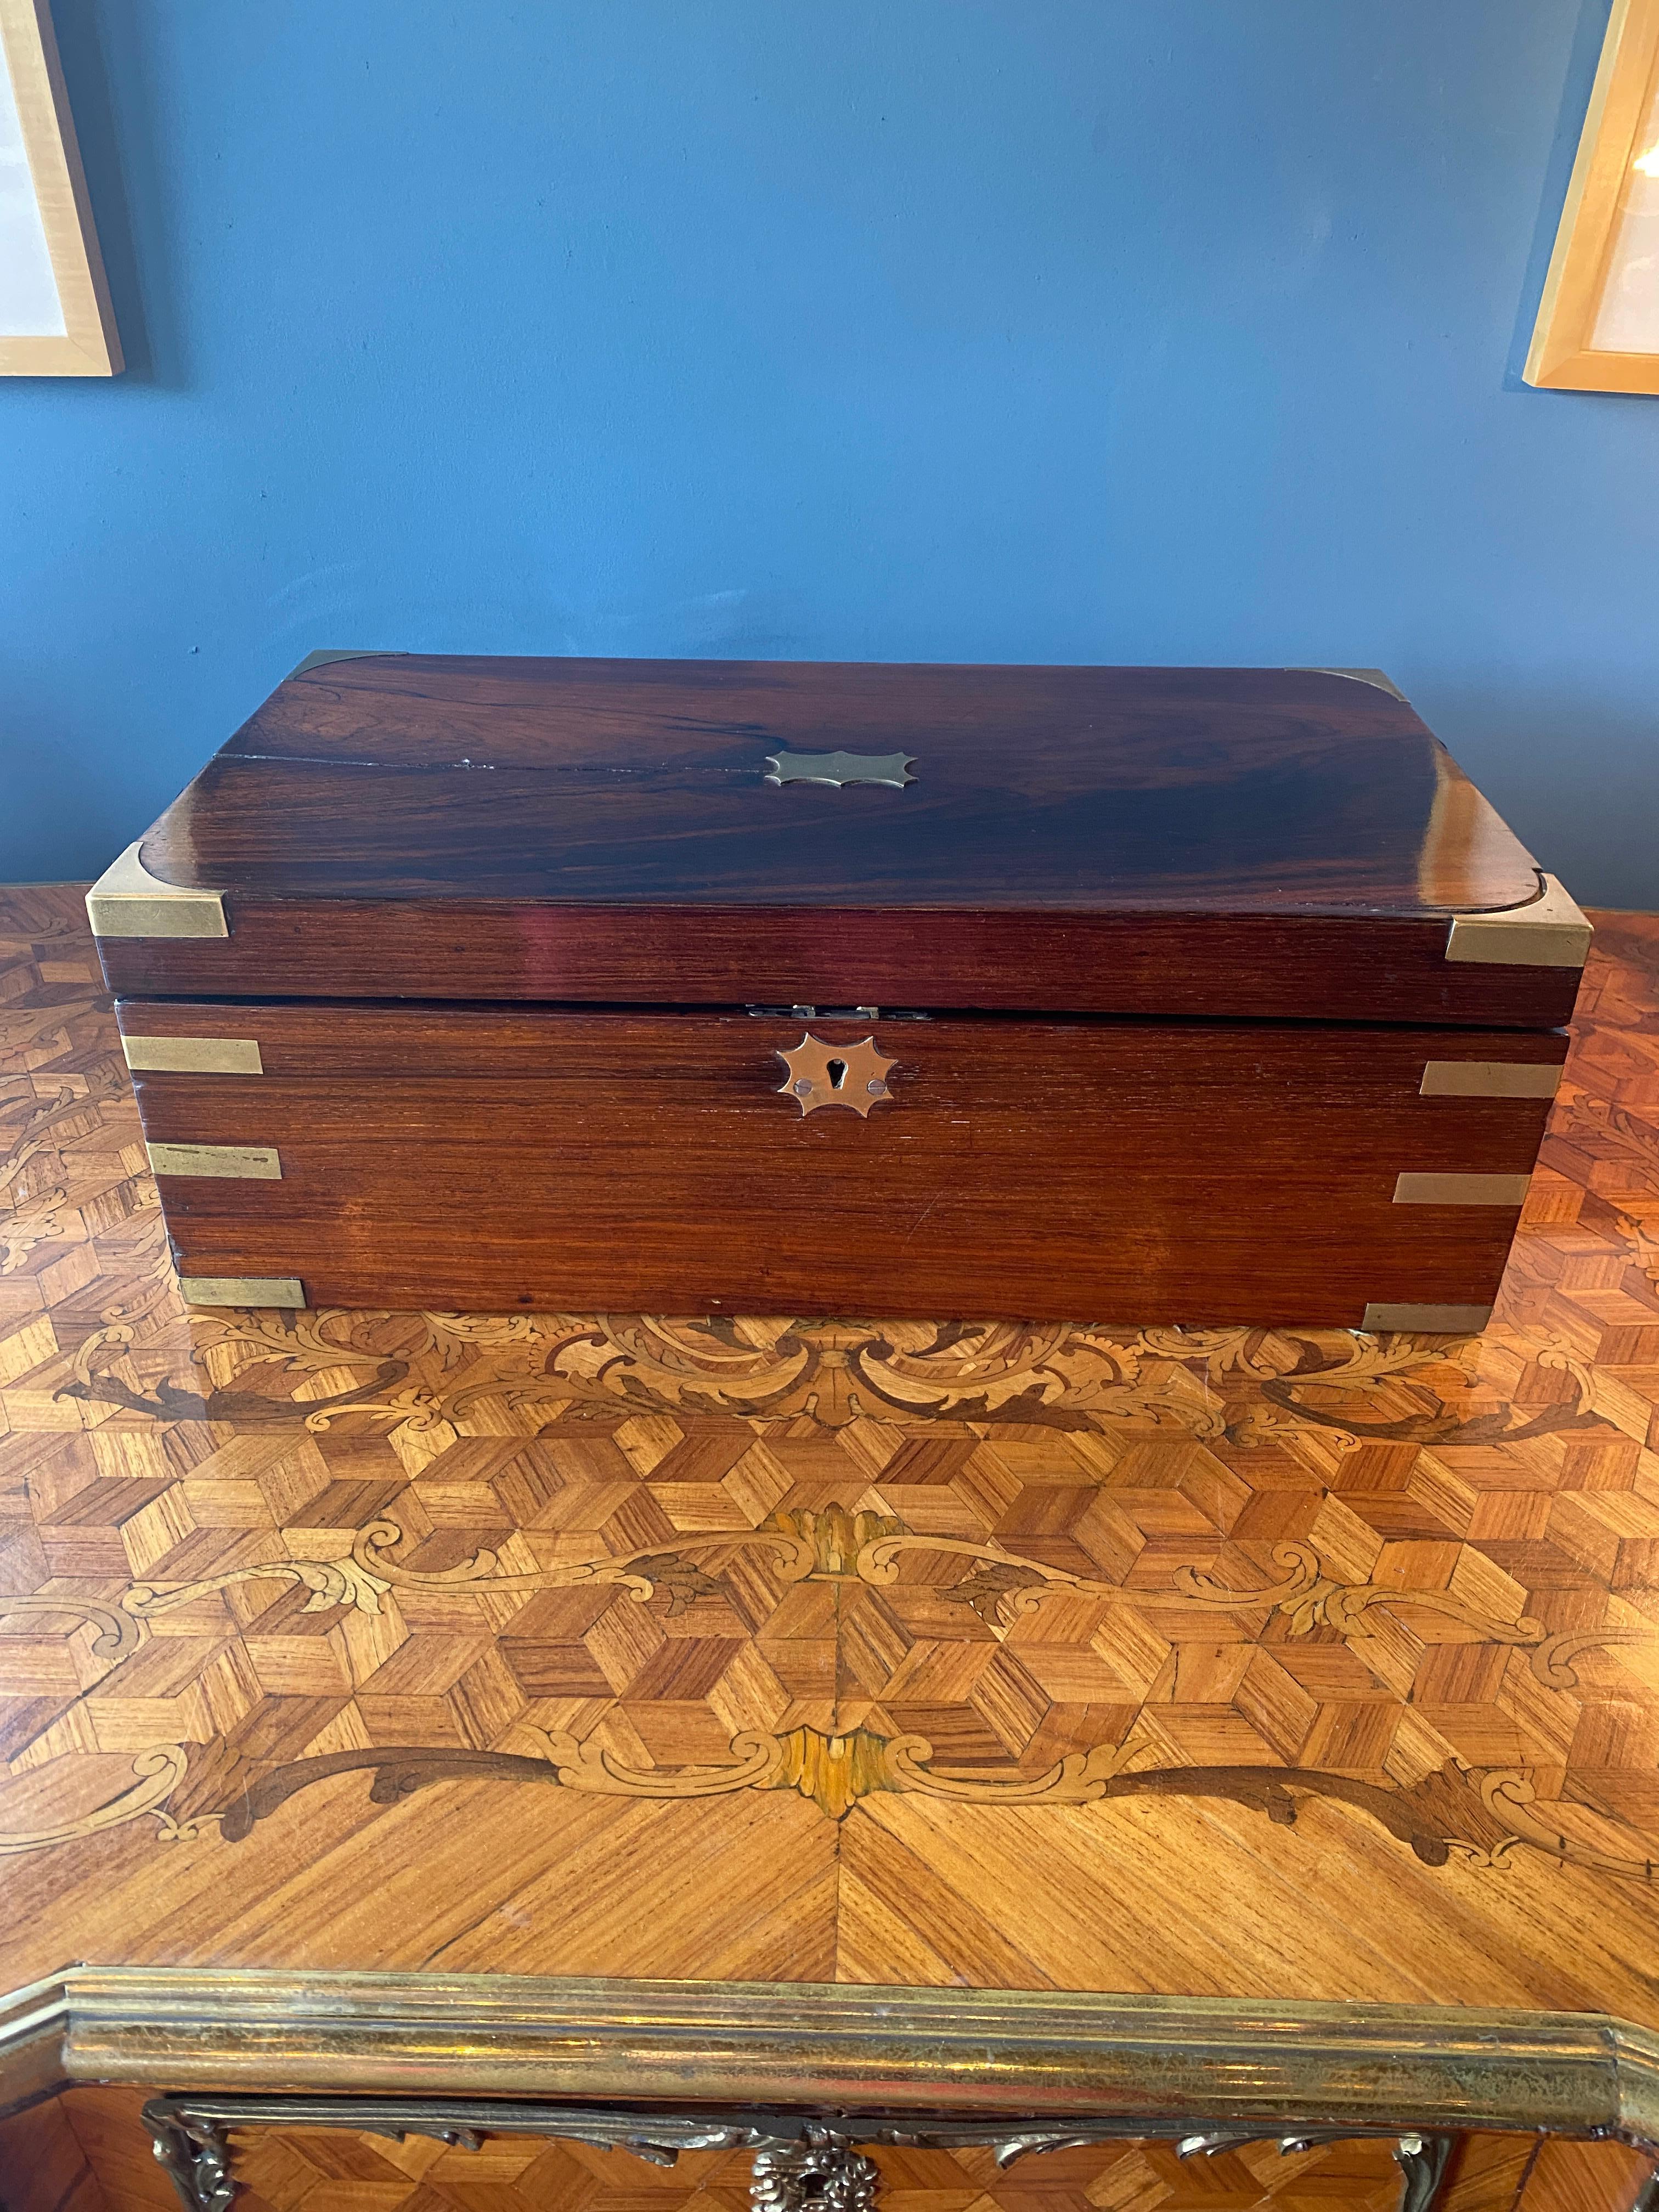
(1282, 843)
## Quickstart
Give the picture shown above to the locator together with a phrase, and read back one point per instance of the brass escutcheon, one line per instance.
(822, 1074)
(840, 768)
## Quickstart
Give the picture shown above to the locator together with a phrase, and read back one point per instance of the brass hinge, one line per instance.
(246, 1163)
(1550, 933)
(192, 1055)
(127, 901)
(243, 1289)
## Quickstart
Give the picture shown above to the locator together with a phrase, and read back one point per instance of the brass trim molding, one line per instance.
(1265, 2064)
(32, 2025)
(127, 901)
(1551, 933)
(192, 1055)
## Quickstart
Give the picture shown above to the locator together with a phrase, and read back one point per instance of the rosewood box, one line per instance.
(1194, 995)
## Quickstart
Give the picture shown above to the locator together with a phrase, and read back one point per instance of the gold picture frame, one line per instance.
(51, 247)
(1603, 282)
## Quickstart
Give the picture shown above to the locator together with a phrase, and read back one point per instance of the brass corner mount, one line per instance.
(127, 901)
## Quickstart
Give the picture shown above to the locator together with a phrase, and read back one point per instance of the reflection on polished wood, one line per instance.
(1296, 1665)
(491, 1160)
(1287, 844)
(1279, 790)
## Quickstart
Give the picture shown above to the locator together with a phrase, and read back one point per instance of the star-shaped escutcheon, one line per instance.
(821, 1074)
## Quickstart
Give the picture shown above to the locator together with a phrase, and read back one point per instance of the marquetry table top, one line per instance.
(1307, 1665)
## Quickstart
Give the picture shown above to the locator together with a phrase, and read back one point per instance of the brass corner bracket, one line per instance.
(1490, 1078)
(127, 901)
(238, 1163)
(1386, 1316)
(1412, 1188)
(148, 1054)
(1552, 931)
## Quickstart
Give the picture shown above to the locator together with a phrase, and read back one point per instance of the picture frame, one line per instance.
(1598, 319)
(56, 319)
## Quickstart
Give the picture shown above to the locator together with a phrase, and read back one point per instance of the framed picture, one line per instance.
(55, 318)
(1598, 321)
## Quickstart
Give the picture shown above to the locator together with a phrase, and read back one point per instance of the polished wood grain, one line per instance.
(1350, 1642)
(1181, 842)
(494, 1159)
(1183, 966)
(624, 782)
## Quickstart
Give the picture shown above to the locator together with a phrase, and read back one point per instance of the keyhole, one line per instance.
(837, 1072)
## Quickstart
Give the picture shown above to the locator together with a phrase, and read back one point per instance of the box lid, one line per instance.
(1284, 843)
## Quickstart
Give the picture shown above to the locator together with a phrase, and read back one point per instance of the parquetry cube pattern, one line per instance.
(1203, 1660)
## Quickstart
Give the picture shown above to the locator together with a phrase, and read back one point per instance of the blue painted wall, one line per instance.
(1070, 330)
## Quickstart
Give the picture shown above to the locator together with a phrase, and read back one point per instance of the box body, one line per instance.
(1151, 995)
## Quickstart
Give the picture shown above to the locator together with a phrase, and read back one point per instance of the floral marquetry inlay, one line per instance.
(269, 1579)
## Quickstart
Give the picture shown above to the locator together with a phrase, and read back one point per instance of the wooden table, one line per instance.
(1296, 1670)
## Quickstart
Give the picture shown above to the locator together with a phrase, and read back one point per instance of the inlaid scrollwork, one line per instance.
(1481, 1819)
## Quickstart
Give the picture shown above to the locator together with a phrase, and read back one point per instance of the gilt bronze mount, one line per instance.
(801, 2163)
